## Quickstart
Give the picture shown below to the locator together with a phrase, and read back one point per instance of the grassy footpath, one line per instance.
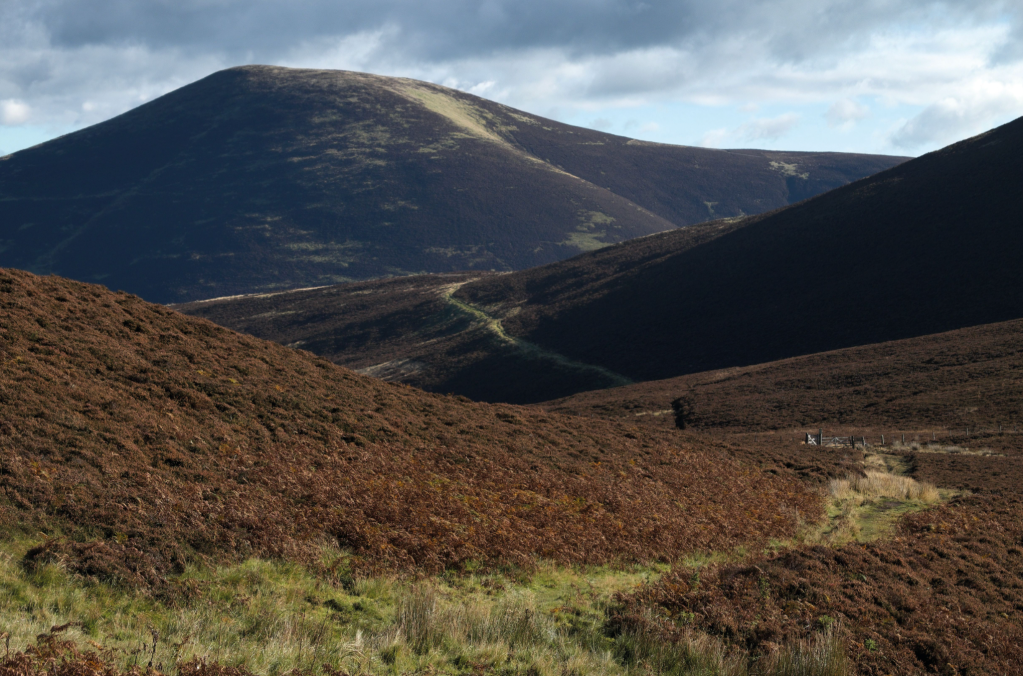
(276, 617)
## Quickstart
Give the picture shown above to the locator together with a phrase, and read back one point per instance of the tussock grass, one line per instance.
(823, 655)
(932, 447)
(274, 617)
(865, 508)
(691, 653)
(882, 485)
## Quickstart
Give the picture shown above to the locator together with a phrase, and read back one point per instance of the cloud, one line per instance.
(714, 138)
(576, 57)
(13, 112)
(955, 118)
(601, 124)
(768, 129)
(845, 113)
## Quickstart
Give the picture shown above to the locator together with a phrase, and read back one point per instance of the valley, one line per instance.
(400, 380)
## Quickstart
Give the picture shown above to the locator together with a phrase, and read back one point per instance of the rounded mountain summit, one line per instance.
(262, 178)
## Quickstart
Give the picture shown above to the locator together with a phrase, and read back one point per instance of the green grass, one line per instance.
(274, 617)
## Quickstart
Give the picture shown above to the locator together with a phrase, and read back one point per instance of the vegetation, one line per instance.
(875, 484)
(272, 618)
(144, 441)
(728, 294)
(260, 179)
(889, 596)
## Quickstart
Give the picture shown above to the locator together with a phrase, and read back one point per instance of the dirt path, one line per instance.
(530, 350)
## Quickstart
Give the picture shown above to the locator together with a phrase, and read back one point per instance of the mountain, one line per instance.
(260, 178)
(929, 246)
(140, 440)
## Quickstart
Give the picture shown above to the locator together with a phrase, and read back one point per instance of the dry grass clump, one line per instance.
(882, 485)
(821, 655)
(950, 449)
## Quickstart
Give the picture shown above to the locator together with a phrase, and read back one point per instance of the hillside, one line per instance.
(971, 377)
(261, 178)
(926, 247)
(146, 439)
(147, 447)
(414, 330)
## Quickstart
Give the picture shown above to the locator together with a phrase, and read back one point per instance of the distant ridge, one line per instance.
(929, 246)
(261, 178)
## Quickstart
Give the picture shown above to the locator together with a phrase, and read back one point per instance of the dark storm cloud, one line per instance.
(446, 29)
(68, 63)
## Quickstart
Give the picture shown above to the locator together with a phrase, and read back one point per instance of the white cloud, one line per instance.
(601, 124)
(714, 138)
(14, 112)
(955, 118)
(845, 113)
(768, 129)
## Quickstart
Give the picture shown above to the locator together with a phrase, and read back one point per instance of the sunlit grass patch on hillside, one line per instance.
(276, 617)
(864, 508)
(882, 485)
(273, 617)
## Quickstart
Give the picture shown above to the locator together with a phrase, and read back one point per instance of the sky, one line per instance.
(898, 77)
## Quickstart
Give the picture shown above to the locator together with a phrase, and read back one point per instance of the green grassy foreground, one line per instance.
(277, 617)
(274, 618)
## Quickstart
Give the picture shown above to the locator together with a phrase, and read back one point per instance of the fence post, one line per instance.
(903, 439)
(820, 437)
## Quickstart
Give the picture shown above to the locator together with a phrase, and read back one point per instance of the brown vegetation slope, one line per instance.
(148, 438)
(971, 377)
(260, 178)
(961, 388)
(943, 596)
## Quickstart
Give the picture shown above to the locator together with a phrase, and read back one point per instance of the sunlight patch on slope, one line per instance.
(528, 349)
(469, 118)
(589, 234)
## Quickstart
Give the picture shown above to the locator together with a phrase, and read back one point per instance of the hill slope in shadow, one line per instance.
(261, 178)
(968, 378)
(929, 246)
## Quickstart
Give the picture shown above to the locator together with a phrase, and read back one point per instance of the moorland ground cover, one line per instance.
(144, 440)
(262, 509)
